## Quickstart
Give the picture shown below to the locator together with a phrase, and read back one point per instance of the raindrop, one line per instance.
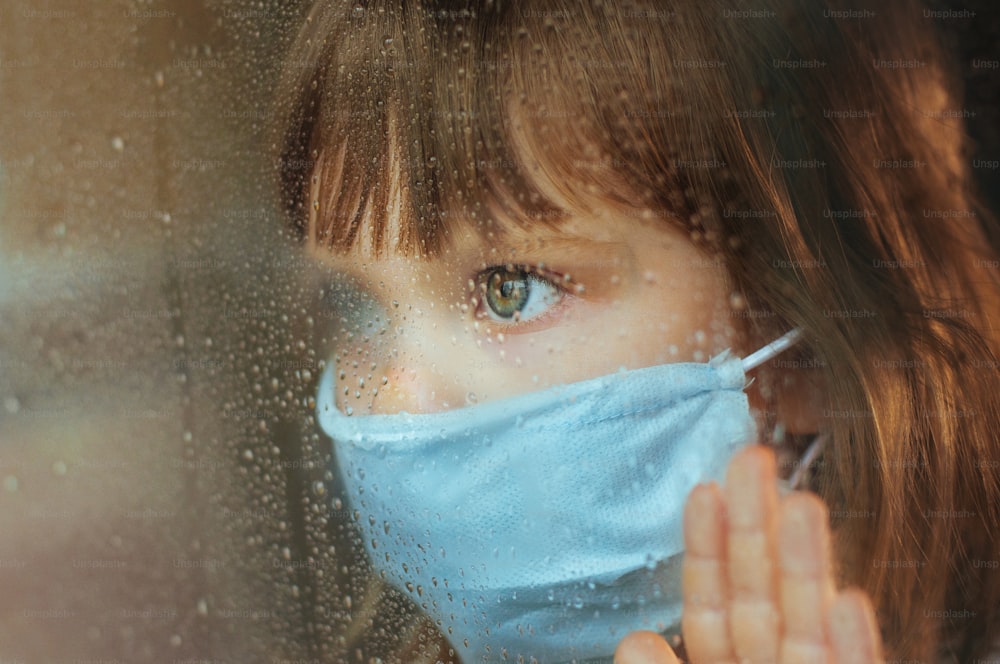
(318, 488)
(248, 454)
(737, 302)
(359, 11)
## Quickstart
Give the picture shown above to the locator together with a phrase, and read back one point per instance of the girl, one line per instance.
(553, 231)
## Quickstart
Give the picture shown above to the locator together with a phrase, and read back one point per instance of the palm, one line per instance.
(758, 580)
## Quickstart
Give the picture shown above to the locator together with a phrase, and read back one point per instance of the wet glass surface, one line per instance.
(166, 493)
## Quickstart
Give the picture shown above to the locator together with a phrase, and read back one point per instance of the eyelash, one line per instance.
(561, 285)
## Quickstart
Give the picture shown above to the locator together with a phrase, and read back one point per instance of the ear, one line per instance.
(791, 393)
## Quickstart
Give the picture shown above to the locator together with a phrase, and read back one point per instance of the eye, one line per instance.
(512, 294)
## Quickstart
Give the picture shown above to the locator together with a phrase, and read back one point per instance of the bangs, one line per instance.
(420, 121)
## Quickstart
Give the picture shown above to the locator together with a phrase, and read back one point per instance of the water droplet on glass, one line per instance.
(117, 143)
(59, 468)
(577, 602)
(12, 405)
(318, 488)
(359, 11)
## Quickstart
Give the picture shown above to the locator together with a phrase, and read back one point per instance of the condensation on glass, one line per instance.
(163, 493)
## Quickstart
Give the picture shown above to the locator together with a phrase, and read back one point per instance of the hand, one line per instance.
(758, 580)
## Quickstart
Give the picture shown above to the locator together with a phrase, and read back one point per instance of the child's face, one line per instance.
(490, 319)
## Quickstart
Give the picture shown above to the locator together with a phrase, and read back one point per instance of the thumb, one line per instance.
(644, 648)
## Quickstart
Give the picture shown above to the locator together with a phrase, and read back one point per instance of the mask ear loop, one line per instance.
(754, 360)
(814, 450)
(779, 345)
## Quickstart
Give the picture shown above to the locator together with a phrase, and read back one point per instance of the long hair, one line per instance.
(807, 145)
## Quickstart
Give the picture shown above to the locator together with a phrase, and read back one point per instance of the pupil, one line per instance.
(508, 293)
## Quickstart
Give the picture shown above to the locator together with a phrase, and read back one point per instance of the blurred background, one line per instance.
(164, 493)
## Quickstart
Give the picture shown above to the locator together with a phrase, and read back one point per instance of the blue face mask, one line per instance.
(546, 525)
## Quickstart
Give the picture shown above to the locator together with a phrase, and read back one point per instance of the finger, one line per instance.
(705, 623)
(805, 579)
(854, 635)
(751, 506)
(644, 648)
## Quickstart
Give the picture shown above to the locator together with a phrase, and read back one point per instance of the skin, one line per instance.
(758, 580)
(643, 298)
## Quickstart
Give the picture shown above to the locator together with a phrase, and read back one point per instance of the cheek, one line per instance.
(682, 313)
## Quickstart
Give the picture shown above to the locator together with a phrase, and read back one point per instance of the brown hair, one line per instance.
(804, 142)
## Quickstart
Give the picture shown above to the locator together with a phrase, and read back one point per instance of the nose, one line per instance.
(401, 375)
